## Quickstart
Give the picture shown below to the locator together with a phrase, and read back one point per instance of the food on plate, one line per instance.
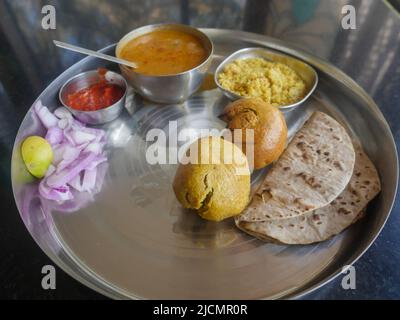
(314, 169)
(164, 52)
(37, 155)
(216, 182)
(78, 151)
(268, 123)
(95, 97)
(273, 82)
(323, 223)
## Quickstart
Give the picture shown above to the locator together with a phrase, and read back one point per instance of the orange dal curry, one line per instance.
(164, 52)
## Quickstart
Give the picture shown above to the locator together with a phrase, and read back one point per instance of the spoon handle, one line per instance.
(93, 53)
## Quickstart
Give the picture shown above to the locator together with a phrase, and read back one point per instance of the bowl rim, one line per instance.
(155, 26)
(243, 50)
(85, 73)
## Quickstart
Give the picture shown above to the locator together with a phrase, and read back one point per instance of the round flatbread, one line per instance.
(313, 170)
(328, 221)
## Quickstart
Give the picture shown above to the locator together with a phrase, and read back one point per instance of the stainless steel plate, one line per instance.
(132, 240)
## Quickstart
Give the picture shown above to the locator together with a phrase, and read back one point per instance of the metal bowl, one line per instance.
(86, 79)
(305, 71)
(174, 88)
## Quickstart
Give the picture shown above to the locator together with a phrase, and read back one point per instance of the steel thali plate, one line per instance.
(133, 240)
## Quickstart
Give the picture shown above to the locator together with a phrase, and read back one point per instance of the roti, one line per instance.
(314, 169)
(328, 221)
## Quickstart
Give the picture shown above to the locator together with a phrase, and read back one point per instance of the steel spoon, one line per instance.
(94, 54)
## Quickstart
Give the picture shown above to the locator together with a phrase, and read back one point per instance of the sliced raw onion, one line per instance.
(54, 135)
(47, 118)
(63, 113)
(78, 151)
(61, 193)
(61, 178)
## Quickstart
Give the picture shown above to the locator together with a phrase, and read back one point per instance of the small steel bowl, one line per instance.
(86, 79)
(174, 88)
(305, 71)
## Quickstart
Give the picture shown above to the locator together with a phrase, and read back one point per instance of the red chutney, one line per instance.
(98, 96)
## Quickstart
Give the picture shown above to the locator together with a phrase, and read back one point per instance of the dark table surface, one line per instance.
(29, 62)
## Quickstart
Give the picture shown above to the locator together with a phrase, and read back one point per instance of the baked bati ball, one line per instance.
(268, 123)
(217, 185)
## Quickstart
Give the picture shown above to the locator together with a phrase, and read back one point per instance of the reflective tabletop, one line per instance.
(370, 54)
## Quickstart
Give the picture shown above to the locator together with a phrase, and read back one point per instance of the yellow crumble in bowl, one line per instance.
(273, 82)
